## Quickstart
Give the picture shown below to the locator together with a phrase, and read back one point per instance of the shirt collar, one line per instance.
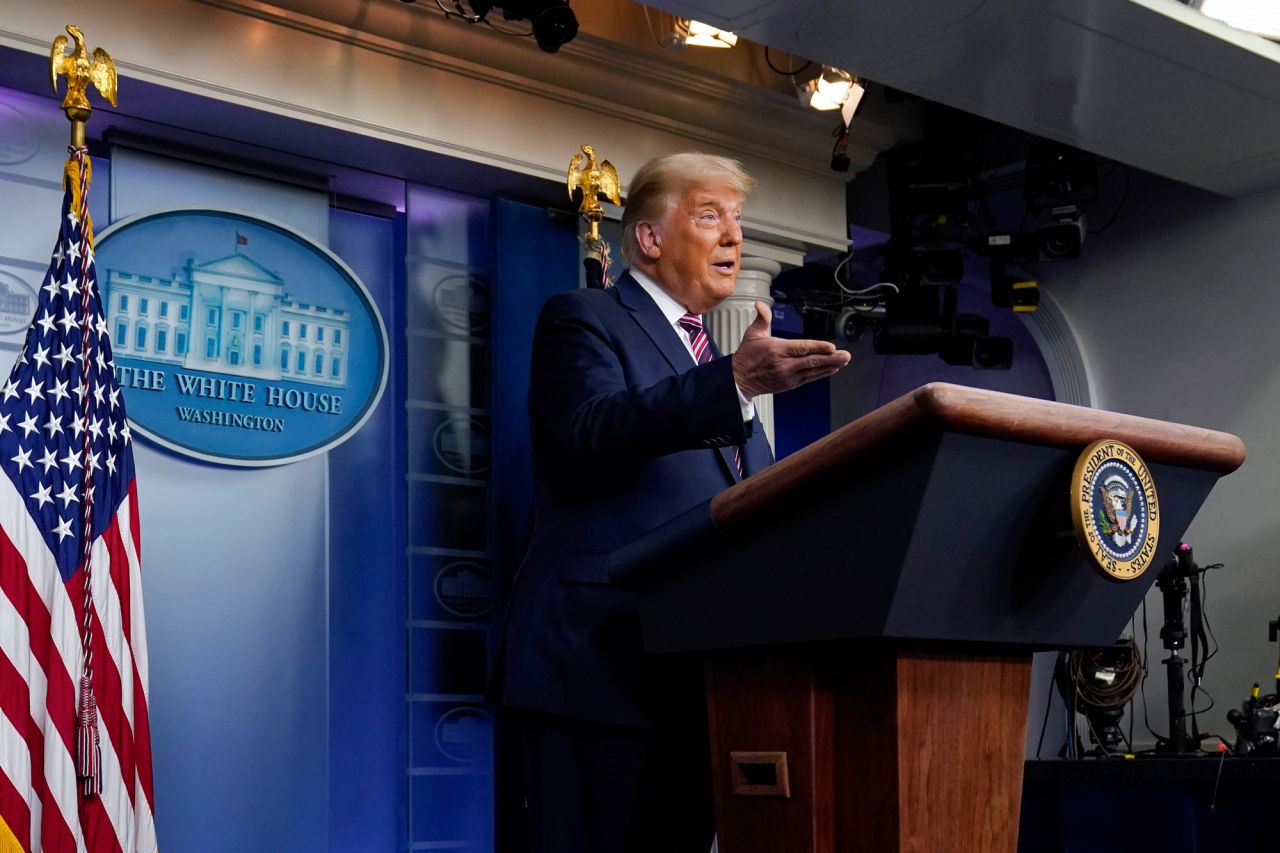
(670, 308)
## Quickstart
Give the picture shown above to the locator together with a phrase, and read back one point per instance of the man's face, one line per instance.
(700, 247)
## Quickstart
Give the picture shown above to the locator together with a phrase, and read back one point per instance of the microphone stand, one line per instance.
(1179, 576)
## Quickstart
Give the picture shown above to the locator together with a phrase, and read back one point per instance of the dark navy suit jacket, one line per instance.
(627, 433)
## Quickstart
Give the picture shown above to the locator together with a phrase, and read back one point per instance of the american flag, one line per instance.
(75, 743)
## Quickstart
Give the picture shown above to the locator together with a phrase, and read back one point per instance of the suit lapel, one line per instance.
(654, 324)
(663, 335)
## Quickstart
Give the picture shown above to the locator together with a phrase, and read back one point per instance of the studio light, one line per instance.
(554, 23)
(833, 89)
(698, 34)
(1255, 16)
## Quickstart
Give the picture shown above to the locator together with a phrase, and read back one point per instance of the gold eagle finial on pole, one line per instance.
(81, 72)
(595, 179)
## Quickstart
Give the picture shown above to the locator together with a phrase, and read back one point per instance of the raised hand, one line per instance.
(763, 364)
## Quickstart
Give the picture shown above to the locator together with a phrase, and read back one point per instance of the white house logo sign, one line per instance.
(236, 339)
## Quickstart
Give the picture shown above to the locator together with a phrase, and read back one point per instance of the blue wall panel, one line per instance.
(366, 578)
(235, 574)
(539, 257)
(447, 477)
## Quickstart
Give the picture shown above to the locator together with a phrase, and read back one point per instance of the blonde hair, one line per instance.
(663, 180)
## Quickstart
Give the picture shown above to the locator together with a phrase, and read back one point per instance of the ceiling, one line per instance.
(1151, 83)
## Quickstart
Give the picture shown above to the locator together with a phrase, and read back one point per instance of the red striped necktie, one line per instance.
(701, 346)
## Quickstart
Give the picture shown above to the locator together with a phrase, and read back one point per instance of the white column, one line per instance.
(728, 321)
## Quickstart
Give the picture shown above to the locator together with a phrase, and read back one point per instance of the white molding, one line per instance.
(484, 98)
(643, 88)
(1068, 368)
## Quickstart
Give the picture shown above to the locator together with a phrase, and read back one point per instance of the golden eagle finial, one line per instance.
(595, 179)
(81, 72)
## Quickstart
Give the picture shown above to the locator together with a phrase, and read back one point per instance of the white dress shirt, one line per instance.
(674, 311)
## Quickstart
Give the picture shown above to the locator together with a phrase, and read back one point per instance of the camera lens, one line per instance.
(993, 353)
(1060, 241)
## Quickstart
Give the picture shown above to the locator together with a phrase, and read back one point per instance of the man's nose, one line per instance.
(732, 232)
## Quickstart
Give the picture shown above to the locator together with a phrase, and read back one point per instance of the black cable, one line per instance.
(1127, 677)
(1202, 621)
(1071, 706)
(1128, 741)
(470, 19)
(1044, 724)
(1133, 632)
(1198, 670)
(775, 69)
(1093, 693)
(1096, 739)
(1113, 164)
(1195, 633)
(1124, 194)
(1205, 612)
(477, 19)
(513, 33)
(1146, 642)
(1220, 739)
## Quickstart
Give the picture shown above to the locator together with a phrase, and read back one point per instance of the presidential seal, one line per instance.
(1115, 509)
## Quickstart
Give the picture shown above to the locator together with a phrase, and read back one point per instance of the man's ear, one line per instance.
(649, 240)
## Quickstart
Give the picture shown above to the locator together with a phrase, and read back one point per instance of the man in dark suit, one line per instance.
(635, 420)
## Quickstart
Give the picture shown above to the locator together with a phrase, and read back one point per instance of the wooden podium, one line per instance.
(868, 608)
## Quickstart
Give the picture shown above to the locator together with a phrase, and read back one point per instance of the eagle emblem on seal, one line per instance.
(1114, 511)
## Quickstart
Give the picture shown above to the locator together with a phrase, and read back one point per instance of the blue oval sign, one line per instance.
(236, 339)
(17, 306)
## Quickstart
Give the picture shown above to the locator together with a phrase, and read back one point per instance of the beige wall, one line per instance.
(402, 73)
(1177, 313)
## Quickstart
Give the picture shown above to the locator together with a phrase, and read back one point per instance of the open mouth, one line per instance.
(724, 266)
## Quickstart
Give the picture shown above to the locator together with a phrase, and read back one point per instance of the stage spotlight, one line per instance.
(698, 34)
(833, 89)
(554, 23)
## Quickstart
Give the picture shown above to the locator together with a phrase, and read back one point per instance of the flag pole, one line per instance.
(594, 178)
(83, 70)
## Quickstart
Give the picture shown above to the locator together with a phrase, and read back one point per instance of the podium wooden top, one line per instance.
(941, 407)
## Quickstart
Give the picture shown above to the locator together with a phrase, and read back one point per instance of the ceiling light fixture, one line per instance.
(834, 89)
(698, 34)
(1255, 16)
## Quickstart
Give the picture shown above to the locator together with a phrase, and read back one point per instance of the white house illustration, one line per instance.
(229, 315)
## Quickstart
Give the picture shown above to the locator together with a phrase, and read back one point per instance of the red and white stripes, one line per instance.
(41, 651)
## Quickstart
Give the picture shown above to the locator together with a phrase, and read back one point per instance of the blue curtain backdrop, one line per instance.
(538, 256)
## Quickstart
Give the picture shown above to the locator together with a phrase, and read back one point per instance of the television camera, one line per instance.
(941, 228)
